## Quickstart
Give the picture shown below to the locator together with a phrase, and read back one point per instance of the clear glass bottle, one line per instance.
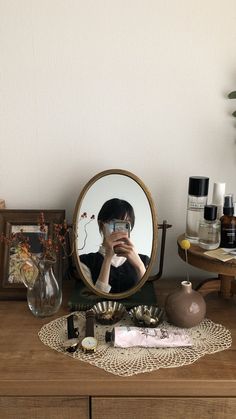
(197, 199)
(228, 224)
(209, 229)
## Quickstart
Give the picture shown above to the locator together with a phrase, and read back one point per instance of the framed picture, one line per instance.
(27, 223)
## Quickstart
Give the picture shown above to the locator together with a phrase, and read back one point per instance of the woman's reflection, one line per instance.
(117, 266)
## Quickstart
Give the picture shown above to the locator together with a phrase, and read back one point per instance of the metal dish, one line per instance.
(146, 316)
(108, 312)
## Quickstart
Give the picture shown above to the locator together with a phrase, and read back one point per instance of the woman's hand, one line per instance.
(127, 249)
(117, 238)
(110, 241)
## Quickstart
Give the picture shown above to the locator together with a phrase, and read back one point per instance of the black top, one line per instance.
(121, 279)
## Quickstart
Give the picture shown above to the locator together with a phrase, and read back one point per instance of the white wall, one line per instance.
(88, 85)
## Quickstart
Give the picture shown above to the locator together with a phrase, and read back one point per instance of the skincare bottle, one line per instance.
(209, 229)
(197, 199)
(228, 224)
(218, 197)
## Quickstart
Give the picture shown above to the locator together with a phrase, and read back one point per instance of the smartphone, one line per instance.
(118, 225)
(122, 226)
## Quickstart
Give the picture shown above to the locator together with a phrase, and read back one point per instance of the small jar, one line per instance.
(209, 229)
(197, 199)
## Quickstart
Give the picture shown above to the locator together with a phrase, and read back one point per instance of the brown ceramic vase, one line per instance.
(185, 307)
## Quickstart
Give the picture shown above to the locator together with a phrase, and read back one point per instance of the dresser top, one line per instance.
(28, 367)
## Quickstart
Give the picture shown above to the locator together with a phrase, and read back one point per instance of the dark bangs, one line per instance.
(116, 209)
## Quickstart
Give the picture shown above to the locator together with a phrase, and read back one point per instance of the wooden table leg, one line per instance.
(233, 287)
(224, 285)
(209, 285)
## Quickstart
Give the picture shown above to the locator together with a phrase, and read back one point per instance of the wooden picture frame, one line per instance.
(11, 220)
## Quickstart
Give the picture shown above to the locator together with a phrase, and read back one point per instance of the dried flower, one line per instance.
(19, 243)
(185, 245)
(21, 255)
(83, 216)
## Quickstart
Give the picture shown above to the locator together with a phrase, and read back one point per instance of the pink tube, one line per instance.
(126, 337)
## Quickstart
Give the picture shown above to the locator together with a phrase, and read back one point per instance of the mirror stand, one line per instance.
(164, 227)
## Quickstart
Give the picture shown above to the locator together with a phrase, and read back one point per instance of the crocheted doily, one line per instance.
(207, 338)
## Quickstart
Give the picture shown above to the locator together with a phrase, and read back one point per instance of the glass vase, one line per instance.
(44, 294)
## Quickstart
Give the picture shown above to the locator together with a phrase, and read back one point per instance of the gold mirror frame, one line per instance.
(133, 290)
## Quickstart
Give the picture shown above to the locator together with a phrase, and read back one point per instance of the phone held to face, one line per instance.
(118, 225)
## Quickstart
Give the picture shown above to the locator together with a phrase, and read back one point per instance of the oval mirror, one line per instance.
(115, 234)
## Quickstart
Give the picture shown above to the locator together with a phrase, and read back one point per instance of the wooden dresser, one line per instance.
(37, 382)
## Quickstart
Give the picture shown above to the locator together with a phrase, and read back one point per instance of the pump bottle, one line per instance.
(228, 224)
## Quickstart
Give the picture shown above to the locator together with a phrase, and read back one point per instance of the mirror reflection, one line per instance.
(116, 266)
(114, 229)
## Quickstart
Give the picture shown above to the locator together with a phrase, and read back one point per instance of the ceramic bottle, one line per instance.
(185, 307)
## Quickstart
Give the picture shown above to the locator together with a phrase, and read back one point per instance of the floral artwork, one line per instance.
(18, 253)
(28, 239)
(31, 244)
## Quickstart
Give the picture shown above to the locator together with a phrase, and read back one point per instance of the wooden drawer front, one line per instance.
(44, 407)
(163, 408)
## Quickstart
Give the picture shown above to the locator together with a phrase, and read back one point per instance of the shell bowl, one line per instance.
(108, 312)
(146, 316)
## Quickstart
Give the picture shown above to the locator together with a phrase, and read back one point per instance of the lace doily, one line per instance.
(207, 338)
